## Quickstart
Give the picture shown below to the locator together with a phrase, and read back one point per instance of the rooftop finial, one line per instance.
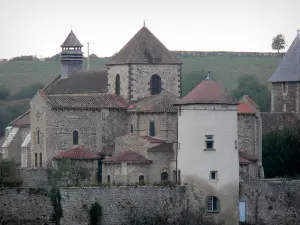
(208, 76)
(144, 23)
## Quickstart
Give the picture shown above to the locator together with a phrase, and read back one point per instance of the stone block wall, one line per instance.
(271, 201)
(35, 177)
(120, 204)
(123, 71)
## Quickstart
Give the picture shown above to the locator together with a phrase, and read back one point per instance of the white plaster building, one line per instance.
(208, 154)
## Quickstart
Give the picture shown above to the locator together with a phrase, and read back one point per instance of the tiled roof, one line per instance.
(77, 153)
(243, 161)
(277, 120)
(89, 101)
(207, 92)
(164, 147)
(23, 120)
(289, 67)
(144, 48)
(71, 41)
(163, 102)
(80, 82)
(153, 139)
(128, 156)
(247, 105)
(247, 156)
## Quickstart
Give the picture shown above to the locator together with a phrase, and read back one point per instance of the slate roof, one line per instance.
(207, 92)
(289, 67)
(77, 153)
(163, 102)
(80, 82)
(128, 156)
(21, 121)
(89, 101)
(278, 119)
(164, 147)
(71, 41)
(144, 48)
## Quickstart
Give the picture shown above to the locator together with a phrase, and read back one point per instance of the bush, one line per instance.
(95, 214)
(9, 176)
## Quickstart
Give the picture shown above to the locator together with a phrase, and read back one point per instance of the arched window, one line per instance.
(213, 204)
(141, 179)
(41, 159)
(174, 176)
(108, 179)
(152, 129)
(118, 84)
(38, 135)
(164, 176)
(131, 128)
(36, 159)
(75, 137)
(178, 178)
(155, 84)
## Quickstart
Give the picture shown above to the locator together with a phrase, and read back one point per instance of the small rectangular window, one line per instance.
(214, 175)
(209, 142)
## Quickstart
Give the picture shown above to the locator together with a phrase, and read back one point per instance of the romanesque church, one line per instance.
(123, 120)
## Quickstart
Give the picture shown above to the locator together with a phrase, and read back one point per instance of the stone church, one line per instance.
(122, 120)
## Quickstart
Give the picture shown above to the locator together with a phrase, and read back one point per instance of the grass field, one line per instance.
(225, 69)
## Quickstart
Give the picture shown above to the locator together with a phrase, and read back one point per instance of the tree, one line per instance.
(281, 152)
(4, 92)
(249, 84)
(72, 172)
(278, 43)
(27, 92)
(9, 176)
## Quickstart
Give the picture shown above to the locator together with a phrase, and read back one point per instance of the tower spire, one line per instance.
(208, 76)
(298, 32)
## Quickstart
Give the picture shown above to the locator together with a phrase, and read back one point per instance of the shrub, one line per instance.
(9, 176)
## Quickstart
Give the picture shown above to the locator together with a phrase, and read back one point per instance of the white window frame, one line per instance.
(210, 204)
(209, 138)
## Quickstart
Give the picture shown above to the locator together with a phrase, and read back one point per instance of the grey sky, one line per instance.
(38, 27)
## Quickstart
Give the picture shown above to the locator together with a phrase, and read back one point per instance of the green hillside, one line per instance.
(225, 69)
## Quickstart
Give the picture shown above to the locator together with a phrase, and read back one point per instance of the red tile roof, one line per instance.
(77, 153)
(243, 161)
(22, 120)
(247, 105)
(207, 92)
(153, 139)
(128, 156)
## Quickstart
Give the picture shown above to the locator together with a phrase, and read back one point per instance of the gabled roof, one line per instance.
(79, 82)
(247, 156)
(164, 147)
(128, 156)
(23, 120)
(163, 102)
(289, 67)
(144, 48)
(207, 92)
(153, 139)
(71, 41)
(247, 105)
(77, 153)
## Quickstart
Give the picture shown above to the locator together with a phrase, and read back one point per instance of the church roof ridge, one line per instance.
(288, 69)
(144, 48)
(71, 41)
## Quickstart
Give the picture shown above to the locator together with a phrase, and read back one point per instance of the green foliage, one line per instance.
(281, 152)
(56, 204)
(249, 84)
(95, 214)
(4, 92)
(71, 172)
(27, 92)
(278, 42)
(25, 58)
(9, 176)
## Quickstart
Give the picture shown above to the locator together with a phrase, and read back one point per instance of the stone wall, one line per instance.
(272, 201)
(285, 100)
(123, 71)
(35, 177)
(120, 204)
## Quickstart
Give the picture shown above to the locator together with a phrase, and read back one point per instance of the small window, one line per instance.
(141, 179)
(284, 107)
(164, 176)
(38, 136)
(36, 159)
(214, 175)
(155, 84)
(179, 176)
(108, 179)
(41, 159)
(152, 129)
(209, 142)
(75, 137)
(284, 88)
(131, 128)
(118, 85)
(212, 204)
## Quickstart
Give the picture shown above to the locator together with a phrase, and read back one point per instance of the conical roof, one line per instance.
(144, 48)
(289, 67)
(207, 92)
(71, 41)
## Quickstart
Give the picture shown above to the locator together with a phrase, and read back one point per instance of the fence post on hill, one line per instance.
(88, 54)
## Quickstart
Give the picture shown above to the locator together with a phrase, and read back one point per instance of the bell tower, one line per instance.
(71, 55)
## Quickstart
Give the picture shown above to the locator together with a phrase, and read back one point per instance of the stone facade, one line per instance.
(123, 71)
(285, 97)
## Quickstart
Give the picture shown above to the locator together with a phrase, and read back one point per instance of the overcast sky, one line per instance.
(38, 27)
